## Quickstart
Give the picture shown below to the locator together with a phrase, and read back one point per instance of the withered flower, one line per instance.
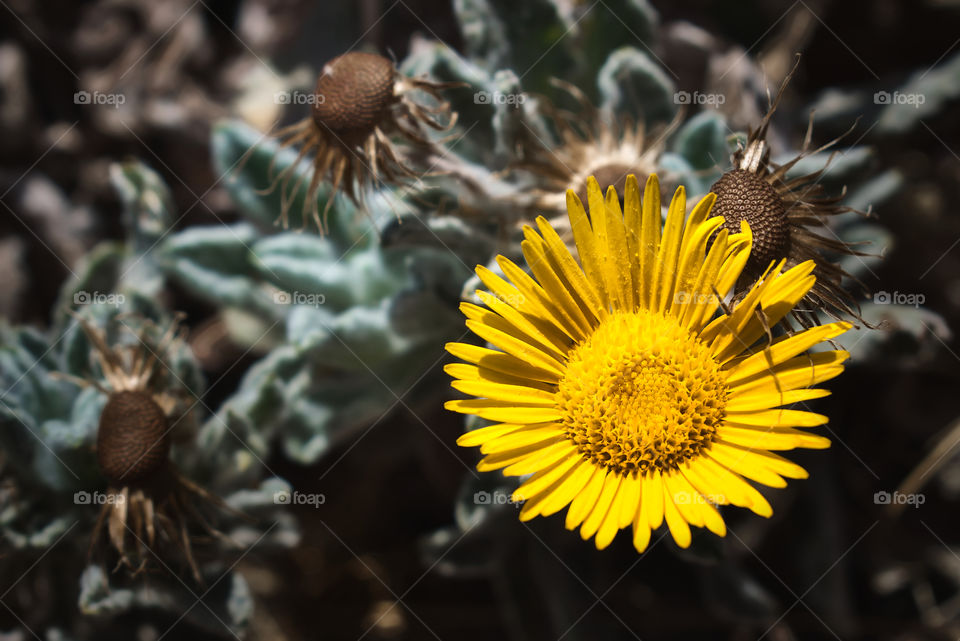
(359, 102)
(150, 508)
(788, 219)
(590, 142)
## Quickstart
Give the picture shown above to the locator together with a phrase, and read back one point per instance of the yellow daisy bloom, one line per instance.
(621, 384)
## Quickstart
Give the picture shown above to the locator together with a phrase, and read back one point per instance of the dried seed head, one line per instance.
(611, 174)
(132, 441)
(353, 93)
(743, 195)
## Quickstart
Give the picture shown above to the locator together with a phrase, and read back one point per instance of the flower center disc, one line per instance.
(641, 394)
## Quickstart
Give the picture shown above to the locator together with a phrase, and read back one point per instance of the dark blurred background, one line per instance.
(184, 64)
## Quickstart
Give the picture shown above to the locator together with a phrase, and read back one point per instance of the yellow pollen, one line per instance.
(641, 394)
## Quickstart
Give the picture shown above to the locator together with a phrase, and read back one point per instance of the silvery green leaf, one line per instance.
(24, 366)
(98, 273)
(633, 83)
(673, 170)
(908, 333)
(485, 496)
(453, 552)
(869, 238)
(438, 61)
(96, 595)
(613, 23)
(146, 201)
(64, 459)
(239, 602)
(531, 38)
(444, 64)
(257, 404)
(843, 164)
(421, 314)
(449, 233)
(337, 409)
(358, 339)
(327, 401)
(265, 495)
(217, 264)
(508, 112)
(484, 33)
(306, 264)
(305, 430)
(923, 96)
(226, 609)
(41, 533)
(875, 191)
(114, 271)
(702, 141)
(838, 108)
(307, 324)
(437, 271)
(736, 594)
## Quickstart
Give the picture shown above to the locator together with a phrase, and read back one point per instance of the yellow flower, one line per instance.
(621, 384)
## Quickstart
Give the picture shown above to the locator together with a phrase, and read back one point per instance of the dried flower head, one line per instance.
(360, 100)
(150, 505)
(786, 216)
(592, 142)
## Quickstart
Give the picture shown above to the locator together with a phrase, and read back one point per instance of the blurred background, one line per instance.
(393, 552)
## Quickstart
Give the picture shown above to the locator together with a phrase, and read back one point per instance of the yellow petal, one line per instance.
(631, 487)
(587, 247)
(503, 392)
(483, 434)
(582, 504)
(650, 229)
(653, 499)
(678, 526)
(767, 400)
(523, 438)
(734, 488)
(516, 347)
(534, 250)
(611, 522)
(684, 497)
(777, 418)
(573, 483)
(668, 254)
(592, 523)
(504, 411)
(771, 438)
(567, 266)
(783, 350)
(531, 290)
(500, 362)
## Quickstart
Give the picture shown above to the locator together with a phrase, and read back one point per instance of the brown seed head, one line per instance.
(743, 195)
(353, 93)
(611, 174)
(132, 441)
